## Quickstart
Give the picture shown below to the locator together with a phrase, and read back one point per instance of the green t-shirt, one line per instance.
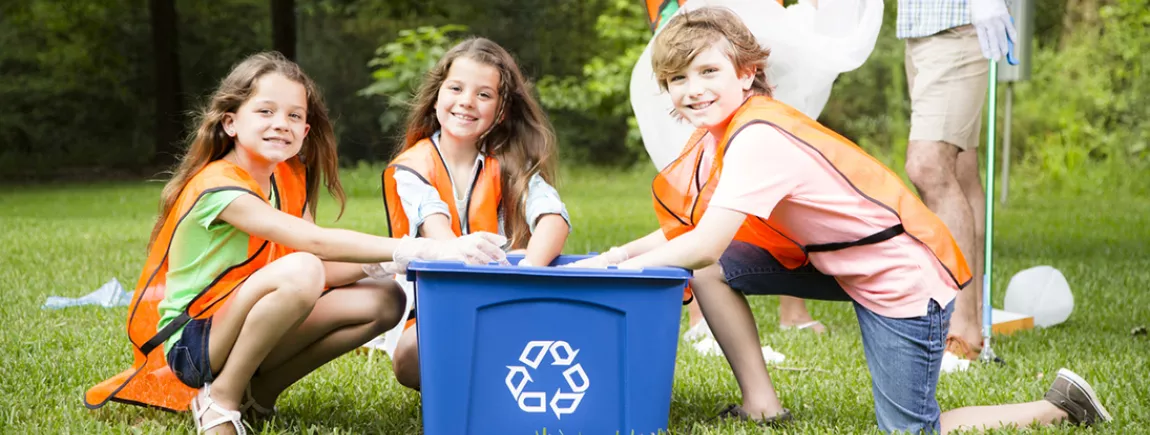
(201, 249)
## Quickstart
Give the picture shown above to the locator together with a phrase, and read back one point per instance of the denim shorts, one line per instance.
(188, 358)
(903, 355)
(752, 270)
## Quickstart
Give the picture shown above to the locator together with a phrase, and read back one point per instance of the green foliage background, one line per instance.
(76, 80)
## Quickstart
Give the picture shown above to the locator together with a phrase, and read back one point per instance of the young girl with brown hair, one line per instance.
(479, 155)
(244, 293)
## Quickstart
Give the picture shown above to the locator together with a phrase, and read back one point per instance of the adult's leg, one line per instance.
(947, 77)
(967, 321)
(932, 166)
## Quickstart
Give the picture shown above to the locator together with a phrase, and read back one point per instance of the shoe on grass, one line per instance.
(1072, 394)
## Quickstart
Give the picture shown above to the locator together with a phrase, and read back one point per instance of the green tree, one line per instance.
(400, 65)
(600, 94)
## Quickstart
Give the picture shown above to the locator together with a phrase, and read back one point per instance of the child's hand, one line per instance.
(476, 248)
(612, 257)
(385, 270)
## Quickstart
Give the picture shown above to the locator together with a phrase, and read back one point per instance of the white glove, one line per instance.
(385, 270)
(612, 257)
(475, 248)
(992, 21)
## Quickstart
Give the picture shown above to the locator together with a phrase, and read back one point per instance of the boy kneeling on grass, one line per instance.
(764, 200)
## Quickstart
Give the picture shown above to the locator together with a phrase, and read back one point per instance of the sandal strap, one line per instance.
(808, 324)
(800, 326)
(250, 403)
(226, 415)
(225, 419)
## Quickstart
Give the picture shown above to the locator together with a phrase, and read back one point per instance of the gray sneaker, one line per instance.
(1072, 394)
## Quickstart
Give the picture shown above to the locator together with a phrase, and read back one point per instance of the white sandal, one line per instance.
(258, 411)
(226, 416)
(801, 326)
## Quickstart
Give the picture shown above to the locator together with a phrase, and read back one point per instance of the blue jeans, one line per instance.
(903, 355)
(188, 358)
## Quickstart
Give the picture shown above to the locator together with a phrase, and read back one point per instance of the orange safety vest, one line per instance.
(681, 193)
(424, 160)
(150, 381)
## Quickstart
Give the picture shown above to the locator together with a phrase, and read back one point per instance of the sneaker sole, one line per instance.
(1077, 380)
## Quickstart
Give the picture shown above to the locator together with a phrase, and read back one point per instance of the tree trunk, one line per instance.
(169, 98)
(283, 27)
(1080, 14)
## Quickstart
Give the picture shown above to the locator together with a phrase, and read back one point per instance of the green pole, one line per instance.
(987, 354)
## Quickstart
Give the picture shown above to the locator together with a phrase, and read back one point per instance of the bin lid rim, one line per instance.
(417, 266)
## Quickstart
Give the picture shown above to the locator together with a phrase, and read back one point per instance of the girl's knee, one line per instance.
(301, 274)
(305, 266)
(405, 364)
(386, 303)
(707, 277)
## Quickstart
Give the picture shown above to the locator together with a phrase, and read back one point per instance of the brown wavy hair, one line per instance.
(521, 139)
(209, 142)
(692, 32)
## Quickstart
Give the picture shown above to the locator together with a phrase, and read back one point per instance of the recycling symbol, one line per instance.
(536, 401)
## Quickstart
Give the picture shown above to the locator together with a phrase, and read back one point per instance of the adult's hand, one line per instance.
(995, 29)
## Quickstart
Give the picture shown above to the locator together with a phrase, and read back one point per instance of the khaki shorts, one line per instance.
(947, 75)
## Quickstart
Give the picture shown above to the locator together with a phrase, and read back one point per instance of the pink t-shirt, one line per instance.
(769, 175)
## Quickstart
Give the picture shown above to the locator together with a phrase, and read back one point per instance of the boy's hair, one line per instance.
(692, 32)
(209, 142)
(521, 137)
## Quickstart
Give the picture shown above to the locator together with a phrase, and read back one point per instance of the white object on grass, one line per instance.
(709, 347)
(698, 332)
(1041, 292)
(109, 295)
(952, 363)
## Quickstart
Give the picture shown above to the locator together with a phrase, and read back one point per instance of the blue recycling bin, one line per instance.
(523, 350)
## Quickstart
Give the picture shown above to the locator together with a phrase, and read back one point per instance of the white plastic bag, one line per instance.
(109, 295)
(809, 47)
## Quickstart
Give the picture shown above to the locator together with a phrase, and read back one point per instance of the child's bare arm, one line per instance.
(436, 226)
(547, 241)
(255, 217)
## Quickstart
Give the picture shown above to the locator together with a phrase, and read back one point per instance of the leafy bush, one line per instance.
(400, 66)
(600, 95)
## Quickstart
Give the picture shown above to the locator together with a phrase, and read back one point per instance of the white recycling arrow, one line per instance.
(562, 361)
(516, 389)
(577, 368)
(534, 362)
(560, 395)
(538, 395)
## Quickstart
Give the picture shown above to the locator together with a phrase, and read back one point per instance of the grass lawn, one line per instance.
(69, 239)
